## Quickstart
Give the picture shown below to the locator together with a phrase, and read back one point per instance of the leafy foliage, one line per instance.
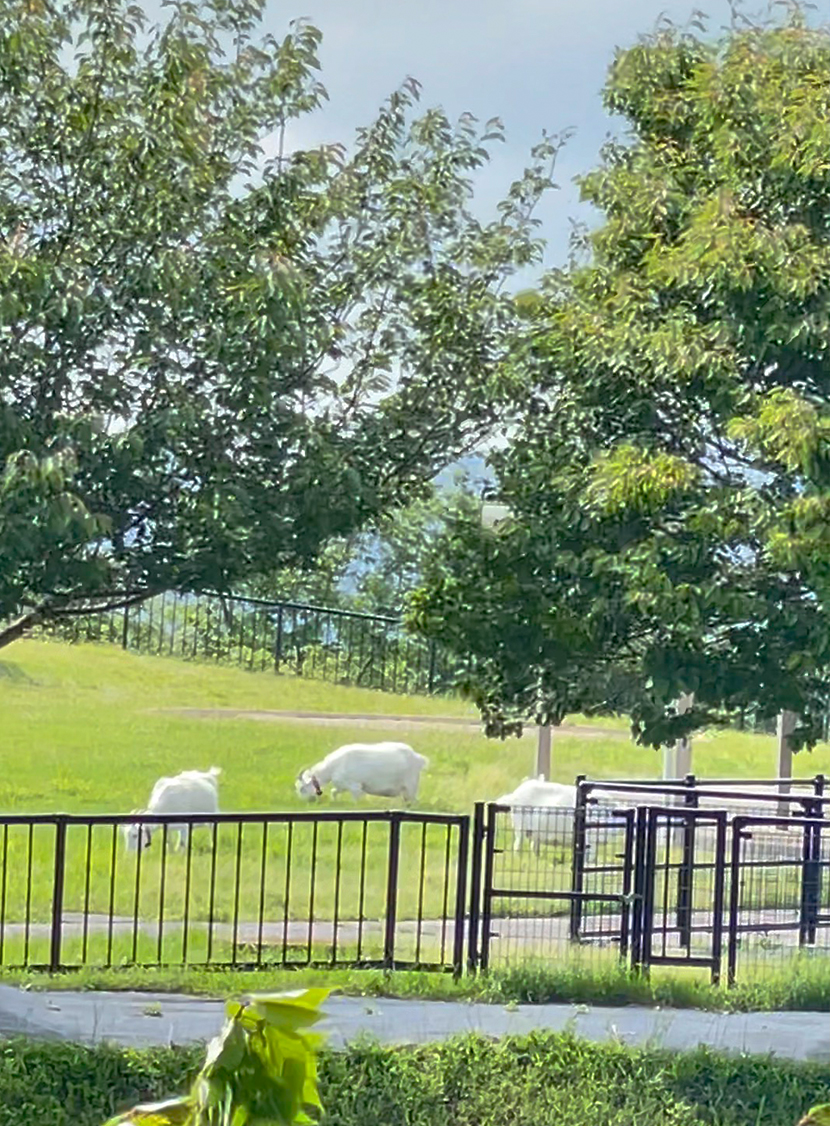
(373, 570)
(669, 468)
(261, 1068)
(217, 353)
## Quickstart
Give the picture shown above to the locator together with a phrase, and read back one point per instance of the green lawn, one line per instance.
(88, 729)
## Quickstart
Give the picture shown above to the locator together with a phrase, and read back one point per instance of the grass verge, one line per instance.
(469, 1081)
(802, 986)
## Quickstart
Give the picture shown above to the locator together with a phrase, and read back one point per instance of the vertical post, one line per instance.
(639, 885)
(278, 640)
(476, 865)
(685, 876)
(785, 728)
(578, 861)
(431, 673)
(487, 897)
(717, 921)
(738, 831)
(57, 893)
(462, 861)
(125, 625)
(543, 760)
(393, 865)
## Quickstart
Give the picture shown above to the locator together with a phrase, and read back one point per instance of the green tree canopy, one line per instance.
(210, 362)
(669, 467)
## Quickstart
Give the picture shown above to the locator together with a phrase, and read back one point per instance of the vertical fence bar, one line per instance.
(278, 641)
(162, 883)
(720, 877)
(125, 628)
(487, 892)
(685, 876)
(27, 933)
(87, 884)
(393, 862)
(462, 859)
(475, 887)
(639, 886)
(627, 907)
(361, 895)
(732, 937)
(58, 877)
(336, 921)
(578, 859)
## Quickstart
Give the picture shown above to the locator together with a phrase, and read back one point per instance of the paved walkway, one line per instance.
(142, 1019)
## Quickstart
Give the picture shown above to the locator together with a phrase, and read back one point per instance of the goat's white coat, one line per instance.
(386, 770)
(191, 791)
(529, 805)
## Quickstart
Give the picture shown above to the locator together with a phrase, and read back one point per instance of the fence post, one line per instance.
(57, 893)
(476, 867)
(278, 641)
(640, 861)
(125, 625)
(392, 889)
(685, 876)
(734, 901)
(810, 875)
(462, 861)
(578, 861)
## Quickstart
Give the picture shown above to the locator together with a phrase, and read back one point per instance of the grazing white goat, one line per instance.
(192, 791)
(531, 810)
(543, 812)
(386, 770)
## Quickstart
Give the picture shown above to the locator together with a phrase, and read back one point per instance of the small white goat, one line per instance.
(192, 791)
(532, 805)
(385, 770)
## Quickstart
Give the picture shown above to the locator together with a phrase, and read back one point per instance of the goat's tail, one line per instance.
(424, 760)
(214, 771)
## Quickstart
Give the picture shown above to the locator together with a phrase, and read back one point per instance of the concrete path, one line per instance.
(142, 1019)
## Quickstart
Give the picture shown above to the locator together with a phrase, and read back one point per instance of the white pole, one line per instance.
(677, 759)
(786, 726)
(543, 752)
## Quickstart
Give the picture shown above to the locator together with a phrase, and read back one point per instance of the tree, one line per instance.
(260, 1068)
(669, 472)
(375, 569)
(210, 362)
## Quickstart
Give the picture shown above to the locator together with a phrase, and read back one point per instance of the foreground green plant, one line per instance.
(261, 1068)
(817, 1116)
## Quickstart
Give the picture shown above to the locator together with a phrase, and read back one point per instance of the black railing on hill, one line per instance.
(341, 646)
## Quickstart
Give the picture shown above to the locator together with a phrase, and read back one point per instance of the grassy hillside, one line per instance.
(85, 728)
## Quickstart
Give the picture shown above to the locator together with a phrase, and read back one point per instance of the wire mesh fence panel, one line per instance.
(528, 884)
(779, 894)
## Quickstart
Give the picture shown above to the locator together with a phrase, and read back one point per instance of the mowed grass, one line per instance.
(88, 729)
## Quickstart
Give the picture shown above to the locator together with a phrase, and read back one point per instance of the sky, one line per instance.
(536, 64)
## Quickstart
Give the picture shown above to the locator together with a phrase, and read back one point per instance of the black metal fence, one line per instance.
(342, 646)
(630, 876)
(375, 889)
(726, 876)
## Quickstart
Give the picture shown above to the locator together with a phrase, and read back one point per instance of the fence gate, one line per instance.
(679, 887)
(539, 876)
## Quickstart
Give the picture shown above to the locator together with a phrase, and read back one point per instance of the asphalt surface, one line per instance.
(144, 1019)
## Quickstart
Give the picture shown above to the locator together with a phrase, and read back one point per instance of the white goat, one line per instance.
(541, 811)
(192, 791)
(383, 769)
